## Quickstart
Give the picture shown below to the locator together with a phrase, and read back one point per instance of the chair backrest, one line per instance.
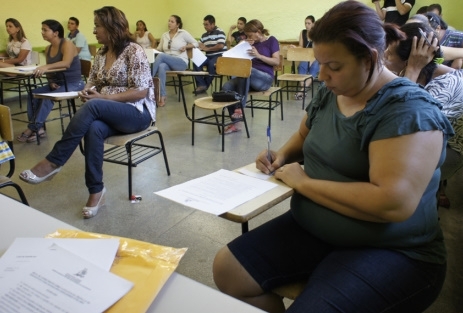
(280, 67)
(92, 49)
(157, 88)
(6, 131)
(6, 126)
(300, 54)
(85, 67)
(35, 57)
(233, 67)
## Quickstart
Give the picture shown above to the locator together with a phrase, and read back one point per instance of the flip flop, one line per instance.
(231, 129)
(237, 115)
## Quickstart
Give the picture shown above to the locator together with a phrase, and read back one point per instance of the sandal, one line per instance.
(23, 137)
(91, 211)
(231, 129)
(200, 90)
(162, 101)
(237, 115)
(300, 95)
(33, 136)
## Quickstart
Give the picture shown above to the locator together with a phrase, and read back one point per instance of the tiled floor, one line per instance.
(161, 221)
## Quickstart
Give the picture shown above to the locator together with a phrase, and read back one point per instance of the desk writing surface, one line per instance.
(262, 203)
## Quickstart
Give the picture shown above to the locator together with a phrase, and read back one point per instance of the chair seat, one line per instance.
(293, 77)
(290, 291)
(264, 93)
(123, 139)
(208, 104)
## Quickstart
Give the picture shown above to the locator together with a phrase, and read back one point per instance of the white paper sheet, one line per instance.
(218, 192)
(149, 54)
(239, 51)
(198, 57)
(22, 251)
(60, 94)
(254, 173)
(60, 281)
(25, 68)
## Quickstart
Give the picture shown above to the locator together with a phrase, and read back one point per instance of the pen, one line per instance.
(424, 35)
(269, 139)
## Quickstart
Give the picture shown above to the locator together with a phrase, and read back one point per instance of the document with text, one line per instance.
(218, 192)
(60, 281)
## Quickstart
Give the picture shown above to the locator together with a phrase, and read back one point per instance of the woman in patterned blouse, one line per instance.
(119, 98)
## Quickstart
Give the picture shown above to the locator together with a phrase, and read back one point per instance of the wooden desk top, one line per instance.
(262, 203)
(25, 70)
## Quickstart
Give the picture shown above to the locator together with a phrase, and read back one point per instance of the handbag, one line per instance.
(226, 96)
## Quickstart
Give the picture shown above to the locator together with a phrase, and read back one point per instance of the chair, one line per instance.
(267, 104)
(126, 150)
(85, 67)
(19, 83)
(175, 82)
(6, 132)
(71, 107)
(92, 49)
(226, 67)
(297, 55)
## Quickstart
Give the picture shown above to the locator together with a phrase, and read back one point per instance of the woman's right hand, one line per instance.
(88, 93)
(268, 162)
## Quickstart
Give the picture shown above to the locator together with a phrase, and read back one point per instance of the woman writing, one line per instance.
(174, 44)
(417, 61)
(266, 54)
(306, 67)
(61, 53)
(18, 50)
(119, 98)
(143, 37)
(362, 229)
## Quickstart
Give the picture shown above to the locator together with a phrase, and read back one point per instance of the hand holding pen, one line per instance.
(87, 94)
(422, 52)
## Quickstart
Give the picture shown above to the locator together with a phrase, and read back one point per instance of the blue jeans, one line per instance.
(96, 120)
(258, 81)
(165, 62)
(205, 81)
(38, 109)
(307, 68)
(339, 279)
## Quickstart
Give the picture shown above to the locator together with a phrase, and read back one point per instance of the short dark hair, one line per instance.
(242, 19)
(55, 26)
(435, 6)
(357, 27)
(310, 17)
(75, 19)
(422, 10)
(210, 19)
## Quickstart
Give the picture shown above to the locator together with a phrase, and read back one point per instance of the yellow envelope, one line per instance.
(145, 264)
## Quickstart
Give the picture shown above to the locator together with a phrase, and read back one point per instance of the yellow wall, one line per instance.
(284, 19)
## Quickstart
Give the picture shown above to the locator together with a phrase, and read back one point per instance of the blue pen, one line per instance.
(269, 139)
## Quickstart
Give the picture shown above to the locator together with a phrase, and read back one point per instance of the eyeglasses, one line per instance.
(168, 44)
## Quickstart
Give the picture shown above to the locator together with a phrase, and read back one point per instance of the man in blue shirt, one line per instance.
(213, 42)
(78, 39)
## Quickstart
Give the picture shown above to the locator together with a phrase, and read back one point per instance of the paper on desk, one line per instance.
(254, 173)
(218, 192)
(23, 251)
(25, 68)
(60, 94)
(145, 264)
(239, 51)
(198, 57)
(60, 281)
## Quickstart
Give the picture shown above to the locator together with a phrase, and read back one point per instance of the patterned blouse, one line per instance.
(448, 90)
(131, 70)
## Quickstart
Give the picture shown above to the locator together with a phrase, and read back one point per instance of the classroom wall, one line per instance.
(283, 19)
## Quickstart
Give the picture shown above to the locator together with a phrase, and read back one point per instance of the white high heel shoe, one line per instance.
(31, 178)
(91, 211)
